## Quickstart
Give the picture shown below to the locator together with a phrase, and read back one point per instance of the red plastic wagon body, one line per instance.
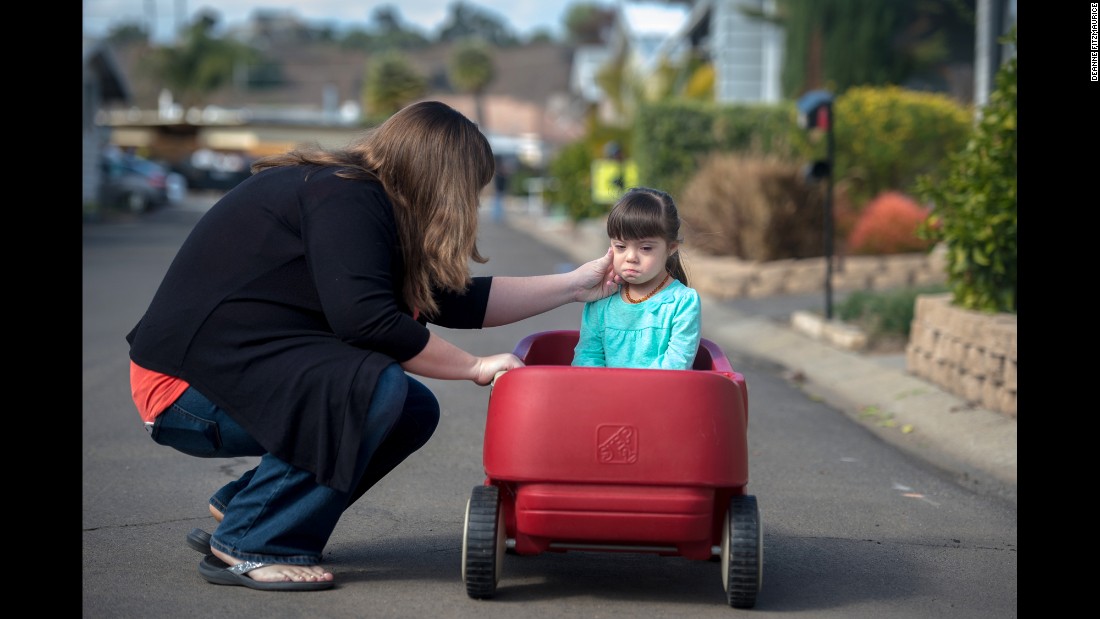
(615, 460)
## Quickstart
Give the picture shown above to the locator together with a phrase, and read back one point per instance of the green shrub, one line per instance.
(883, 314)
(517, 180)
(974, 206)
(887, 137)
(572, 190)
(571, 171)
(672, 139)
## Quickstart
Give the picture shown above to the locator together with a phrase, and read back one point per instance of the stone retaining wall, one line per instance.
(969, 354)
(730, 278)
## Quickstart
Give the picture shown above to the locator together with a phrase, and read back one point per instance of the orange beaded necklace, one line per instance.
(630, 299)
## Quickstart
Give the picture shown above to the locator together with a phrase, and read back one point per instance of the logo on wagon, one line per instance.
(617, 444)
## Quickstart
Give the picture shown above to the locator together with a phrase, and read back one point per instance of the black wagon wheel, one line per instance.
(742, 552)
(483, 542)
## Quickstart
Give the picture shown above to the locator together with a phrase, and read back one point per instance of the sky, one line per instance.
(523, 16)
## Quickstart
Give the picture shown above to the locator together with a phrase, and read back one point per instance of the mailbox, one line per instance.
(815, 110)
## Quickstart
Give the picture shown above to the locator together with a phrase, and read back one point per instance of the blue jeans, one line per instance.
(277, 512)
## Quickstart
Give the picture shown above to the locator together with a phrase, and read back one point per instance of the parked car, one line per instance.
(138, 184)
(208, 169)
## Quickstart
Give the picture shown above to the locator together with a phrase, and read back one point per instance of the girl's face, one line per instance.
(640, 261)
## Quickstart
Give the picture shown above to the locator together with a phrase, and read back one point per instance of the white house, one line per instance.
(746, 51)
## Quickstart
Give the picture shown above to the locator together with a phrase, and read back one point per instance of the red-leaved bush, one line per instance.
(888, 225)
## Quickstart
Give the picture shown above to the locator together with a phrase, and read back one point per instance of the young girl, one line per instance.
(654, 321)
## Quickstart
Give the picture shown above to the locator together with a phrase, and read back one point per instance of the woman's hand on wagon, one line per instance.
(489, 367)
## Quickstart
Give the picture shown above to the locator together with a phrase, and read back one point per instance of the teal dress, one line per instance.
(662, 332)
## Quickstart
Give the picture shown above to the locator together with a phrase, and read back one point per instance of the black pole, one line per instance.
(828, 227)
(815, 111)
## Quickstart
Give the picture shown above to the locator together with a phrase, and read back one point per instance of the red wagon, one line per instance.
(570, 467)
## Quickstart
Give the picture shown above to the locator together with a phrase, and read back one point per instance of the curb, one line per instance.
(829, 331)
(974, 446)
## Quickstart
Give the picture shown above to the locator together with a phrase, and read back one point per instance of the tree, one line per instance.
(386, 17)
(839, 44)
(389, 32)
(540, 35)
(391, 84)
(357, 38)
(471, 70)
(468, 22)
(625, 87)
(128, 33)
(698, 83)
(200, 63)
(588, 23)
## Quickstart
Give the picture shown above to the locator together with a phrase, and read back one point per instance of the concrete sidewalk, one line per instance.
(974, 446)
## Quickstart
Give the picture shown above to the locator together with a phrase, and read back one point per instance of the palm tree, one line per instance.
(471, 70)
(200, 64)
(392, 83)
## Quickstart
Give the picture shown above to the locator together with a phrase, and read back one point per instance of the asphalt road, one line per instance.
(853, 528)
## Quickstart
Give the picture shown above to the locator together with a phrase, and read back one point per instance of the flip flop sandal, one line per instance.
(199, 540)
(215, 571)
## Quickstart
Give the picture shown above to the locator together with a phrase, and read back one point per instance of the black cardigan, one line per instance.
(283, 306)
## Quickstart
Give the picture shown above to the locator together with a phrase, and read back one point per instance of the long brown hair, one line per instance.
(642, 213)
(433, 163)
